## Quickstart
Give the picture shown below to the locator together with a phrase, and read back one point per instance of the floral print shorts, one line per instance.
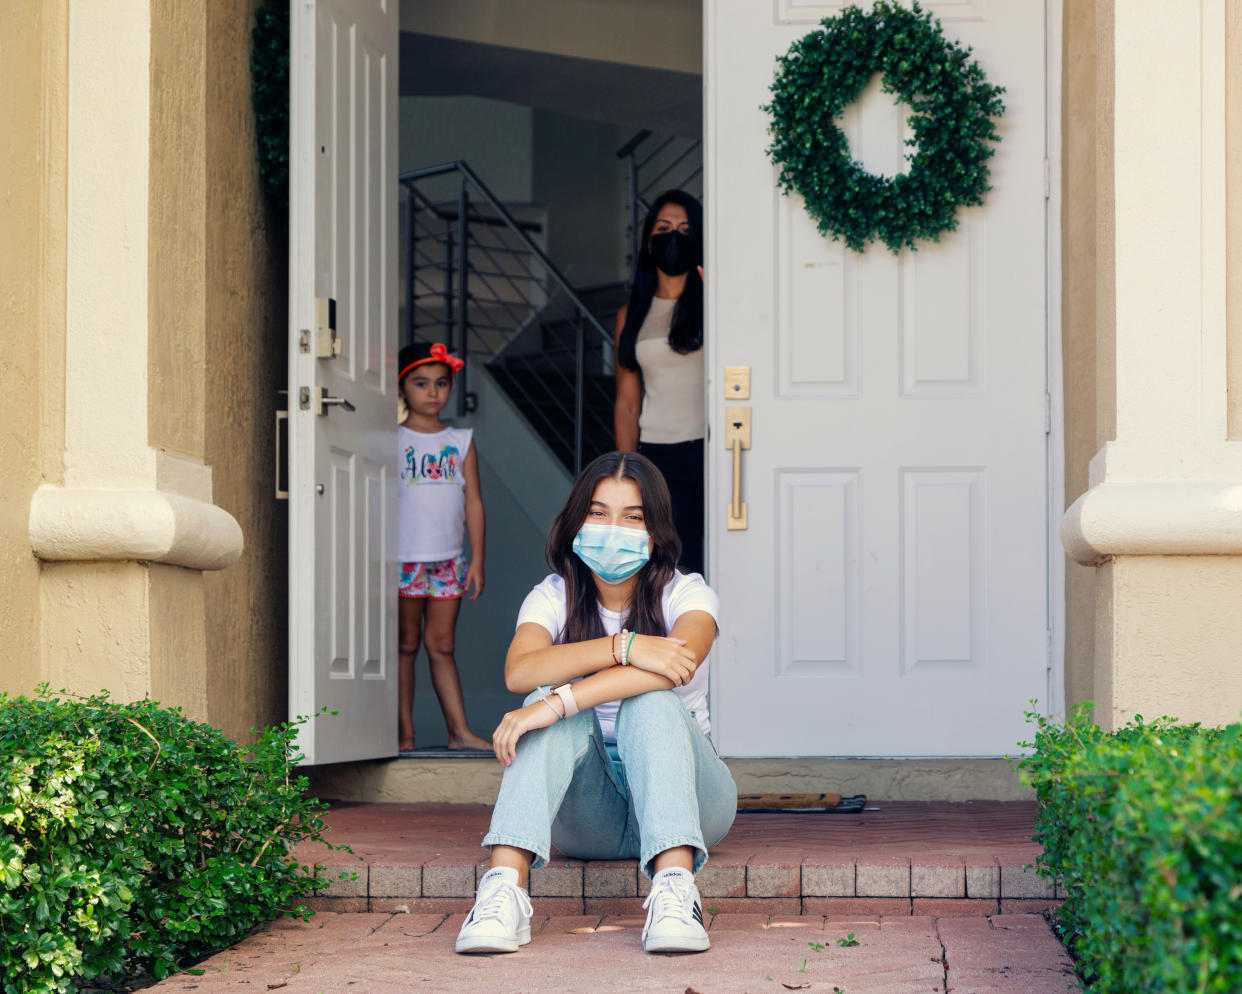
(441, 581)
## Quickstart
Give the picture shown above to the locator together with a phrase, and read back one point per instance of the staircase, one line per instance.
(477, 279)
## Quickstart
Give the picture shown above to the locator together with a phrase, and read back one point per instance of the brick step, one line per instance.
(903, 859)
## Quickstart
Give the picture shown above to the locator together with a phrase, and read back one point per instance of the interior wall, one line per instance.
(34, 80)
(578, 176)
(245, 263)
(495, 138)
(661, 34)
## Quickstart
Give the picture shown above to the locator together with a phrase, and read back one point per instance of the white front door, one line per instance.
(342, 493)
(889, 595)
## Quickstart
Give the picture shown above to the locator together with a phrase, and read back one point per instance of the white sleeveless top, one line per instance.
(674, 384)
(431, 494)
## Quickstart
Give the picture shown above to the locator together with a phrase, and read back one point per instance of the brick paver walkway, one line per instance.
(750, 954)
(936, 896)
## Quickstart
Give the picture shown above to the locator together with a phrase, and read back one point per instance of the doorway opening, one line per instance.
(529, 150)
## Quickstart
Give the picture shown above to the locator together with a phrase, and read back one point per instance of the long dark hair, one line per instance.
(646, 614)
(686, 333)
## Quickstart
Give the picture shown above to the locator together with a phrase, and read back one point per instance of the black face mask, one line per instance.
(674, 253)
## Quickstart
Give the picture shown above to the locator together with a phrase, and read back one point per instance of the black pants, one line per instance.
(682, 466)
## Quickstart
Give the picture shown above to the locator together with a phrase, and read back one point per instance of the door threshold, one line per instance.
(444, 752)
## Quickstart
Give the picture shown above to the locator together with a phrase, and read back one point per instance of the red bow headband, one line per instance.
(438, 354)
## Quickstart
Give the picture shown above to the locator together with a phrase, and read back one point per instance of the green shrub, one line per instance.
(269, 95)
(132, 838)
(1142, 828)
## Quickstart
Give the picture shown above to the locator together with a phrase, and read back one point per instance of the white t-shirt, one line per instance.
(431, 494)
(545, 606)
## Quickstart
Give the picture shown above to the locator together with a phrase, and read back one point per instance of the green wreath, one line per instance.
(954, 106)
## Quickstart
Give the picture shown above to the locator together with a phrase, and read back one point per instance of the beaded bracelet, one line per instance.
(625, 653)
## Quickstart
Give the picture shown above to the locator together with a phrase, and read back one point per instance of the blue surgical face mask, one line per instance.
(613, 553)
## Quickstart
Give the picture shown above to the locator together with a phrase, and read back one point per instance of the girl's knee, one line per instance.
(440, 645)
(656, 702)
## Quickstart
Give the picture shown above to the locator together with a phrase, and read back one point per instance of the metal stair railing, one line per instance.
(477, 280)
(667, 162)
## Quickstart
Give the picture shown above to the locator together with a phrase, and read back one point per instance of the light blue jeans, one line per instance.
(669, 787)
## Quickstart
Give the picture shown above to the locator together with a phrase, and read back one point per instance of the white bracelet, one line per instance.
(552, 706)
(566, 694)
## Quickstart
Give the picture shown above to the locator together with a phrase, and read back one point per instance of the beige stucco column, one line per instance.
(124, 540)
(1162, 519)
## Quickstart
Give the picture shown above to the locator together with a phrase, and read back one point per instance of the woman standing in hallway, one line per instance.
(659, 409)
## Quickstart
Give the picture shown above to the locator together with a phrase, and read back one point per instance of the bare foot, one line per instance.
(405, 744)
(469, 741)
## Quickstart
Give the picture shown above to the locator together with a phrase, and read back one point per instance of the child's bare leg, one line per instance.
(440, 640)
(409, 635)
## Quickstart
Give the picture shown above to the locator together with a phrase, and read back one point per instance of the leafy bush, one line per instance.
(132, 838)
(1143, 830)
(269, 95)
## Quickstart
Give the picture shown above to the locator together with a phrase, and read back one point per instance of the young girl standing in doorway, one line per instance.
(439, 495)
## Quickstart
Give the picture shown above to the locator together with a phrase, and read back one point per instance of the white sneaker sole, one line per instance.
(677, 944)
(492, 943)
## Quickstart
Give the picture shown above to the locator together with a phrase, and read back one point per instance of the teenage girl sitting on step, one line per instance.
(615, 762)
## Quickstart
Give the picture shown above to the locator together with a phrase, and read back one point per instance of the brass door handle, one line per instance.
(737, 438)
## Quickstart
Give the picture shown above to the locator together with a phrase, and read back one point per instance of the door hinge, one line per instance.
(1047, 180)
(1048, 649)
(304, 340)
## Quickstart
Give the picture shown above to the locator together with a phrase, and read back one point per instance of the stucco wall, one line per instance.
(173, 273)
(1233, 197)
(1159, 525)
(1085, 143)
(177, 219)
(33, 79)
(244, 306)
(1171, 623)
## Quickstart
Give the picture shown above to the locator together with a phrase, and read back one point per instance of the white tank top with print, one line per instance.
(431, 501)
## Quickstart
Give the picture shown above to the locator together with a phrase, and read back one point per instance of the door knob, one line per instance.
(326, 401)
(319, 401)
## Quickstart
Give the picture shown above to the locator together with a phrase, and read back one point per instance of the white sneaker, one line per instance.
(675, 919)
(499, 922)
